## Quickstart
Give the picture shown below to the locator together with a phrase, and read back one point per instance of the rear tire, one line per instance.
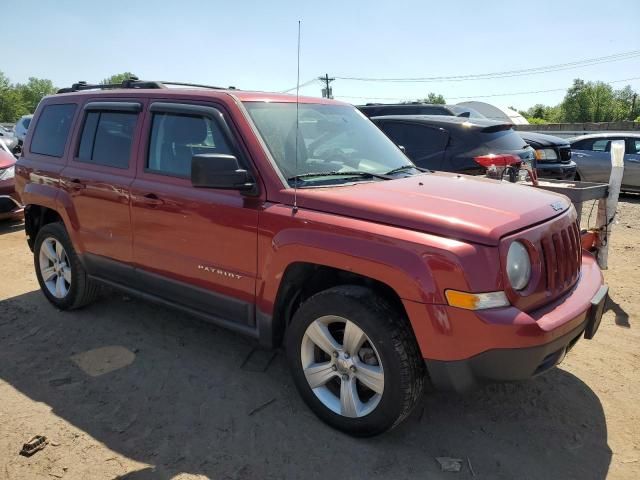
(354, 360)
(60, 274)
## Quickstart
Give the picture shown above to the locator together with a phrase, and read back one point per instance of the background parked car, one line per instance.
(453, 144)
(553, 155)
(10, 205)
(417, 108)
(592, 154)
(21, 127)
(9, 140)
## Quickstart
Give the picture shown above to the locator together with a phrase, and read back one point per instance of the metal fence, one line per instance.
(575, 129)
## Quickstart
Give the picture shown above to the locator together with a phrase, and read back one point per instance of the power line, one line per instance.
(308, 82)
(508, 73)
(487, 96)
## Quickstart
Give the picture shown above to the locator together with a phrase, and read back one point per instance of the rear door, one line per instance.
(423, 144)
(196, 247)
(98, 178)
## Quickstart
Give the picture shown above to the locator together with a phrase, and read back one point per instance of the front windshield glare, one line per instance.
(332, 139)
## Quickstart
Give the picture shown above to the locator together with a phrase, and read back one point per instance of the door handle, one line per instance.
(151, 199)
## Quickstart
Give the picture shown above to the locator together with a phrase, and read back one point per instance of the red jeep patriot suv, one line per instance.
(300, 223)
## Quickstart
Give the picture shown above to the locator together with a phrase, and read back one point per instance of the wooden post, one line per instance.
(607, 206)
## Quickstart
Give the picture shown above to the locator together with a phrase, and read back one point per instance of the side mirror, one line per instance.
(402, 149)
(218, 170)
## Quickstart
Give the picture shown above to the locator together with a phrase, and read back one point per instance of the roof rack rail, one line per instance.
(199, 85)
(134, 82)
(131, 82)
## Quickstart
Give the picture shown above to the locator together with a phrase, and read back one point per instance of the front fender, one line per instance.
(417, 266)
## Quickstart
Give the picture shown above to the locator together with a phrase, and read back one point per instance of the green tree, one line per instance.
(33, 91)
(628, 107)
(117, 78)
(596, 102)
(536, 121)
(434, 98)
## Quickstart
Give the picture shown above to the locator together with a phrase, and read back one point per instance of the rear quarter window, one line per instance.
(52, 130)
(503, 140)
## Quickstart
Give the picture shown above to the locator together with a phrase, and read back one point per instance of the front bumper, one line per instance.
(557, 171)
(463, 349)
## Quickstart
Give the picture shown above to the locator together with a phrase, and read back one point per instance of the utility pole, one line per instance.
(327, 90)
(633, 106)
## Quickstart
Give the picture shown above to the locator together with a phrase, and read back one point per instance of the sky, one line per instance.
(253, 45)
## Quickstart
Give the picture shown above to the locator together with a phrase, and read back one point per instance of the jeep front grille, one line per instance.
(562, 257)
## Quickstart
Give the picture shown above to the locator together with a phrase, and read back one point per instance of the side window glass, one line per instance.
(176, 138)
(601, 145)
(107, 138)
(52, 130)
(635, 146)
(394, 132)
(422, 141)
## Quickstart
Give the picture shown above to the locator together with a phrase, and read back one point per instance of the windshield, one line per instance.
(332, 139)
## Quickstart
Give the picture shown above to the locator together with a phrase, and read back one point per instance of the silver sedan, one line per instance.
(592, 154)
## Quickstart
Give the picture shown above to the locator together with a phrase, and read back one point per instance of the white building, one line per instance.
(496, 113)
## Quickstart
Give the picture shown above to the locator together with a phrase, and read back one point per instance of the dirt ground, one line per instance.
(126, 389)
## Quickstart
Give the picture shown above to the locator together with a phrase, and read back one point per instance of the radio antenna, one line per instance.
(295, 184)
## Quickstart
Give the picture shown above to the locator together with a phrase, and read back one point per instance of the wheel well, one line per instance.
(35, 217)
(303, 280)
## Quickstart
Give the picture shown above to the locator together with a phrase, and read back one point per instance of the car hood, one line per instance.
(456, 206)
(540, 140)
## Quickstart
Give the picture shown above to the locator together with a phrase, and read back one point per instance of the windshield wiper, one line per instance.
(401, 168)
(349, 173)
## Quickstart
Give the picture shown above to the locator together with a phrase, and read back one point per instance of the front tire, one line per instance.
(354, 360)
(60, 274)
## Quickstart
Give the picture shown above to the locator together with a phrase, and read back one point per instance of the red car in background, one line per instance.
(10, 205)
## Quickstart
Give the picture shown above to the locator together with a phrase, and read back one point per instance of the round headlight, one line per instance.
(518, 266)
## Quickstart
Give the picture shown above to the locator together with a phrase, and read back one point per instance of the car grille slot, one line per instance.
(565, 155)
(561, 255)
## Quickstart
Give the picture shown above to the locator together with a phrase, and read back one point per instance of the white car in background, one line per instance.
(21, 127)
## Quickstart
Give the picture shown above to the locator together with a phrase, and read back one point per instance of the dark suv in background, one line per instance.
(553, 155)
(417, 108)
(453, 144)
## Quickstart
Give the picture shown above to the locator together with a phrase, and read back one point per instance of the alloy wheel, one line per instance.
(55, 268)
(342, 366)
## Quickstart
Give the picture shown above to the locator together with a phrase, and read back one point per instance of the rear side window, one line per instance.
(52, 130)
(418, 140)
(107, 138)
(503, 140)
(26, 122)
(176, 138)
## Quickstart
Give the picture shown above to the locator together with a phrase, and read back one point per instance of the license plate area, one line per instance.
(594, 316)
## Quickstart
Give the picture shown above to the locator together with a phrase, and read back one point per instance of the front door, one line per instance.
(632, 164)
(193, 246)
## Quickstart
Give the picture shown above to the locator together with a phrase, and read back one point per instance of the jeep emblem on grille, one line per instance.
(557, 206)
